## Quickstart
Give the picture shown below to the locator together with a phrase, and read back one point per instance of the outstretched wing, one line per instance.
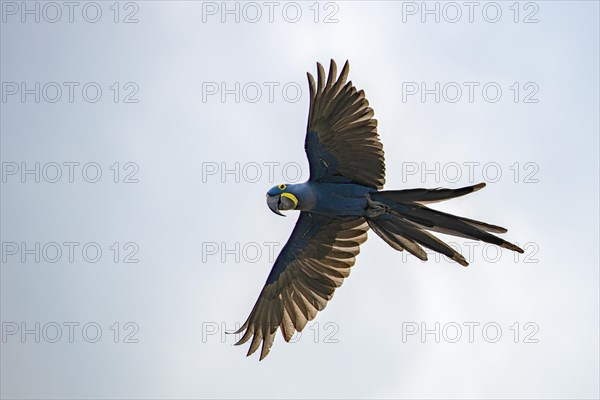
(312, 264)
(341, 143)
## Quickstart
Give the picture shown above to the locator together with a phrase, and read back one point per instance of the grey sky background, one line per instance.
(183, 213)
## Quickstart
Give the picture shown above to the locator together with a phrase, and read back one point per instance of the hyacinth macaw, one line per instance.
(338, 204)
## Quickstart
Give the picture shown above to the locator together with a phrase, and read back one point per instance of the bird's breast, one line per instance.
(337, 199)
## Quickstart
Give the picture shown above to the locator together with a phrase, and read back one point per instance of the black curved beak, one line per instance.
(273, 203)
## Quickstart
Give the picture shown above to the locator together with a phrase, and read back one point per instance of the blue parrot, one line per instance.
(338, 204)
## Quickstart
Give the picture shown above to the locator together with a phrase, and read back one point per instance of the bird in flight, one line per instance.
(338, 204)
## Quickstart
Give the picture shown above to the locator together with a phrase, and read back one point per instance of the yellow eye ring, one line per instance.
(281, 186)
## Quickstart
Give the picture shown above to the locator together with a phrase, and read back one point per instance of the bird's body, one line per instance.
(340, 202)
(331, 199)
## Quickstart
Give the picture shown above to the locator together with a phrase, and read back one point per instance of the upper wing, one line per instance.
(312, 264)
(341, 143)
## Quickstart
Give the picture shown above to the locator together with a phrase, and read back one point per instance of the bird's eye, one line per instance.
(281, 186)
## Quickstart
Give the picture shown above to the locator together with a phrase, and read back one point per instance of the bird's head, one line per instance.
(279, 198)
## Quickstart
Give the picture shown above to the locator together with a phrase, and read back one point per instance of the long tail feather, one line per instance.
(404, 227)
(426, 196)
(402, 234)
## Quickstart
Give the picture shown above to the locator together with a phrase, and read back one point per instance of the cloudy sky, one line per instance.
(138, 140)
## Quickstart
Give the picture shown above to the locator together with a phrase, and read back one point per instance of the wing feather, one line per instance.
(312, 264)
(342, 144)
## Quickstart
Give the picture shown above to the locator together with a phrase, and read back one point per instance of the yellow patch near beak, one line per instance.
(291, 197)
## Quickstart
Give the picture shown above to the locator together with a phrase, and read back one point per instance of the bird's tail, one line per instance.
(407, 221)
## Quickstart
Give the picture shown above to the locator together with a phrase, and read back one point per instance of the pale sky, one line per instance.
(136, 156)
